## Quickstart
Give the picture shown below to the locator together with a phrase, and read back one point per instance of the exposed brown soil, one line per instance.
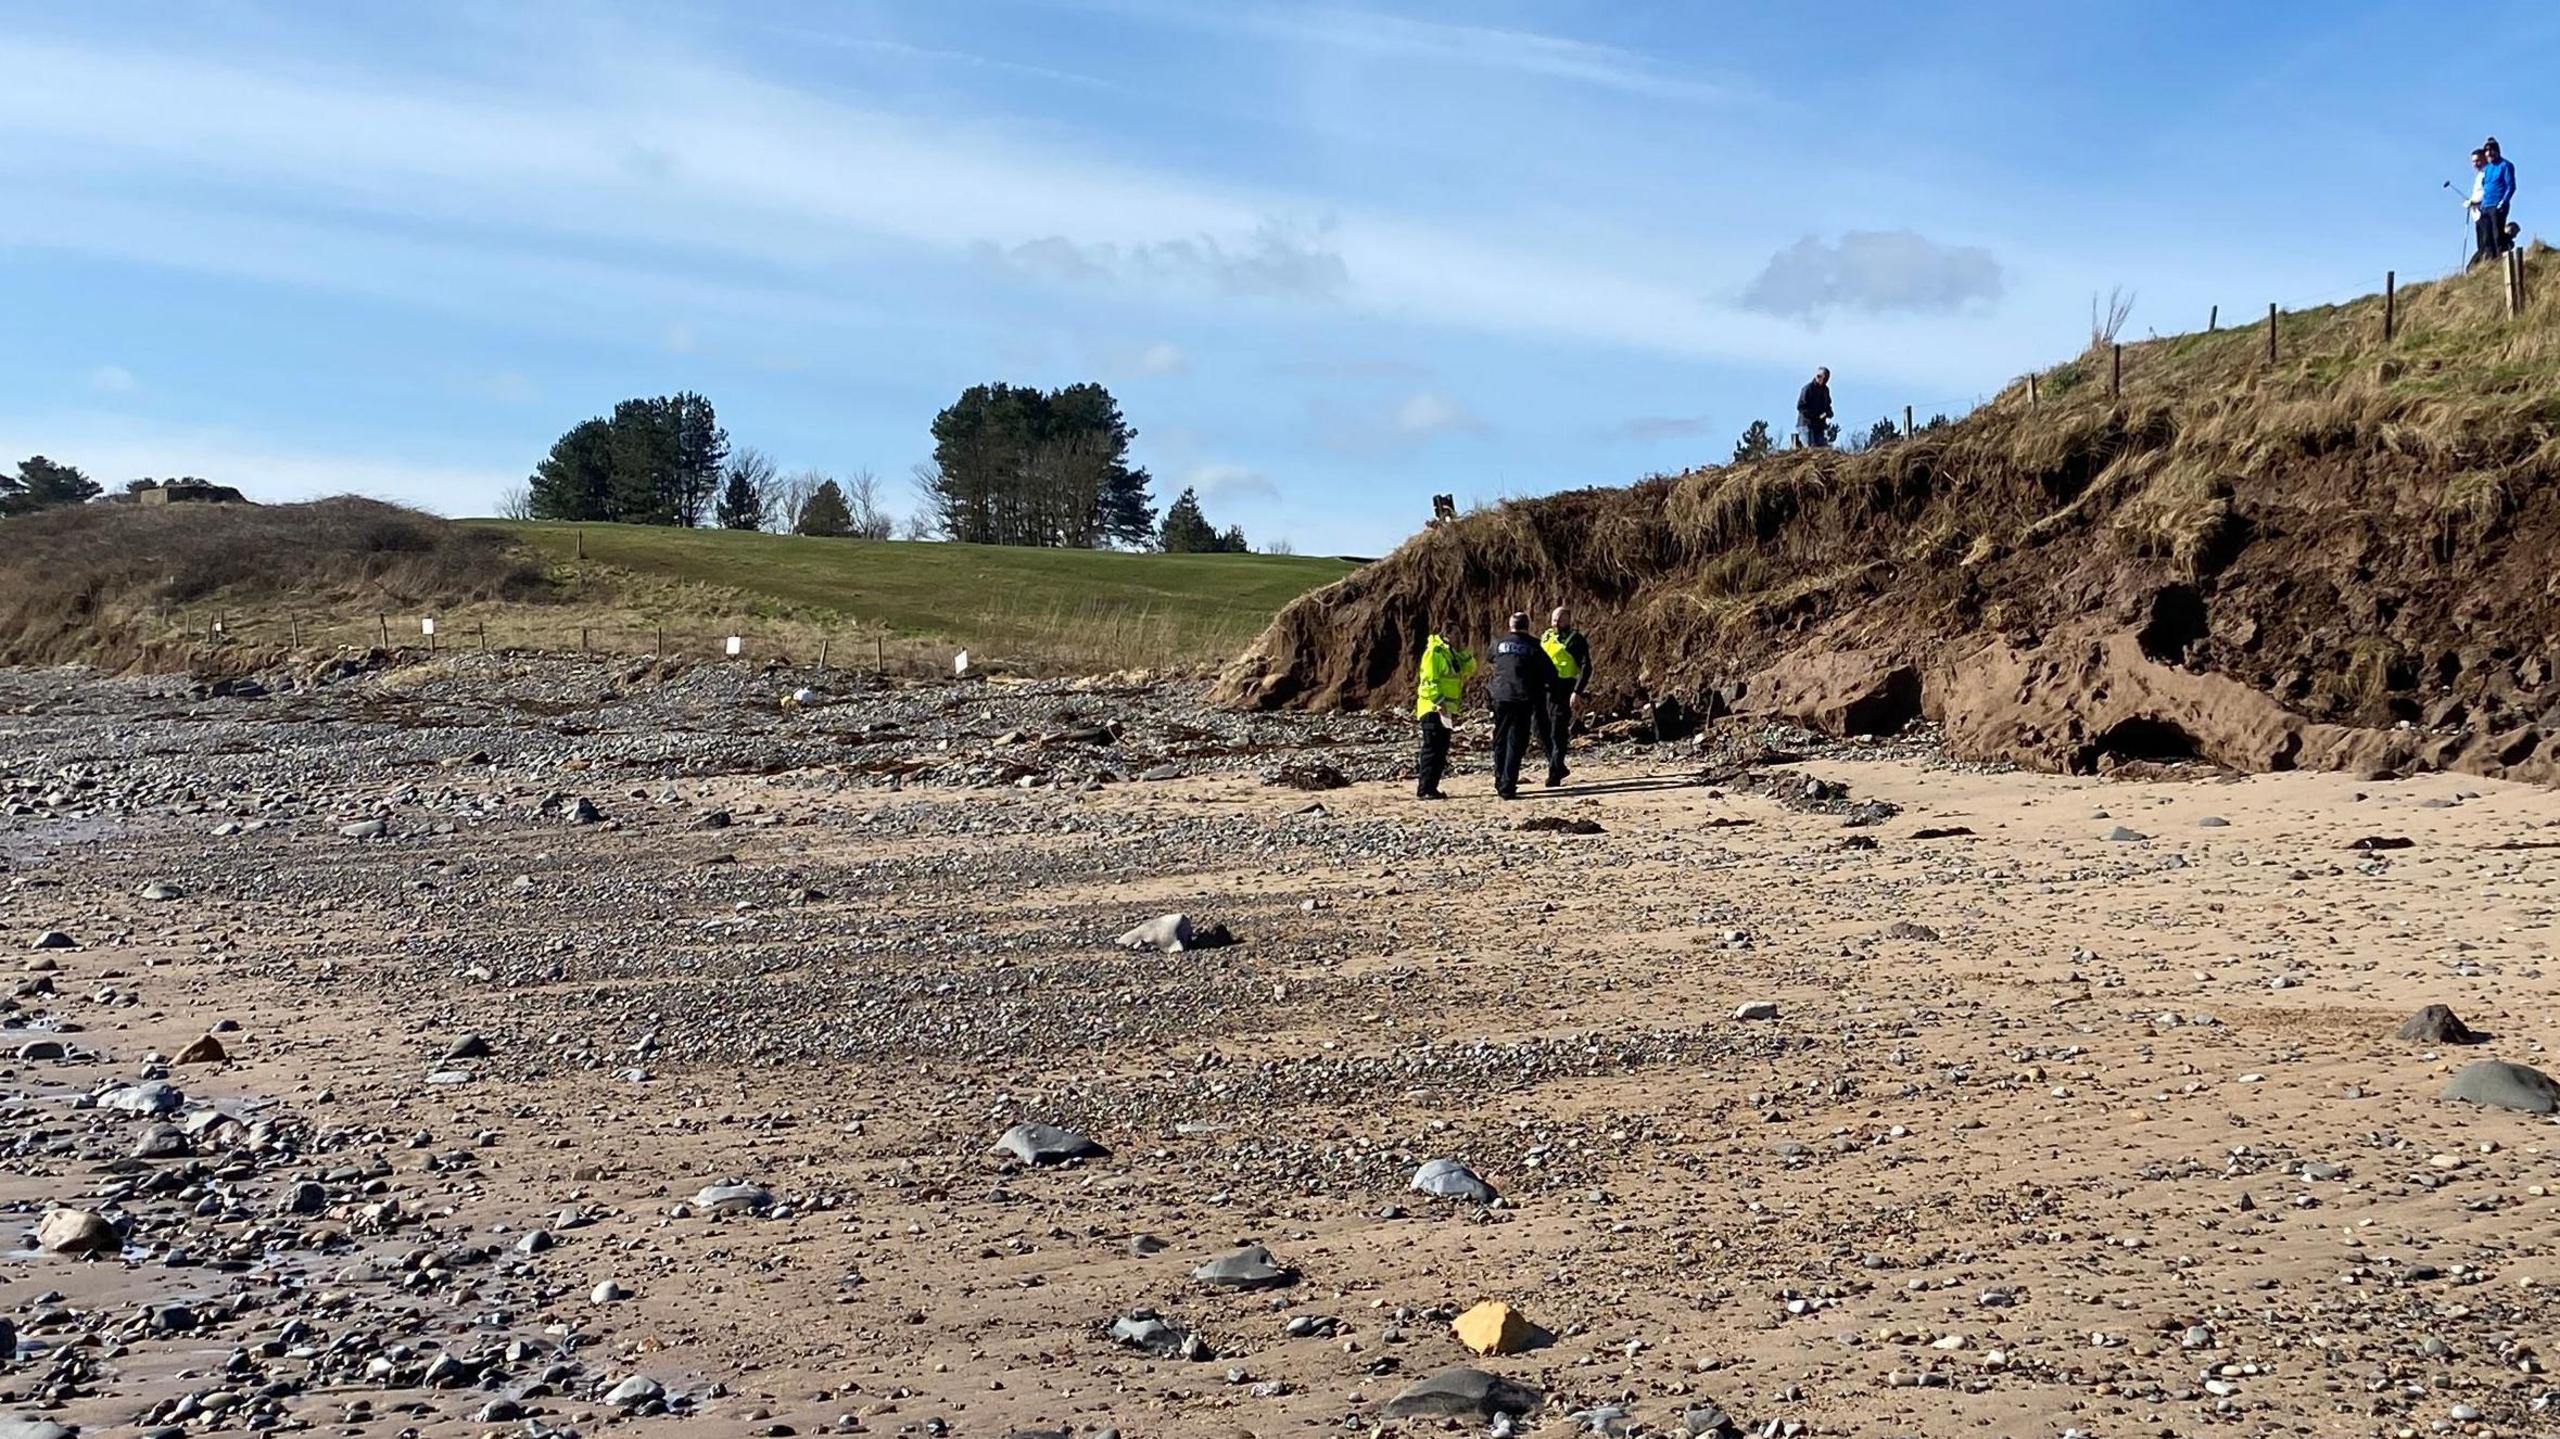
(2340, 562)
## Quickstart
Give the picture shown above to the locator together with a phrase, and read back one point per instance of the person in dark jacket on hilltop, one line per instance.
(1813, 409)
(2497, 191)
(1522, 678)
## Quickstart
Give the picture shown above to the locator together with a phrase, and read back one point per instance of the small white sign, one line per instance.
(960, 663)
(427, 627)
(217, 627)
(734, 646)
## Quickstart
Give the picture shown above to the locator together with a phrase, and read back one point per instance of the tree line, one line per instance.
(1012, 465)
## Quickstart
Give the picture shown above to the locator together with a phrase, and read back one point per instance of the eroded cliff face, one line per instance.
(2341, 562)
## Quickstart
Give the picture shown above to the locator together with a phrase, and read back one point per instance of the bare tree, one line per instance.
(2107, 320)
(515, 502)
(871, 520)
(1278, 547)
(791, 496)
(919, 526)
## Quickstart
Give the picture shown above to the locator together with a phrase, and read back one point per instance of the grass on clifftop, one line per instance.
(1078, 608)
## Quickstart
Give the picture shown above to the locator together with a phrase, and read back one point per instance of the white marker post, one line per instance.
(427, 627)
(734, 646)
(960, 664)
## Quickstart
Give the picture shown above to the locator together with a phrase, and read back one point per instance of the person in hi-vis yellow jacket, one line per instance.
(1438, 681)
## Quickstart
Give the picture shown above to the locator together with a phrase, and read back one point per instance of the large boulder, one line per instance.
(76, 1231)
(2502, 1085)
(1043, 1144)
(1464, 1393)
(2437, 1024)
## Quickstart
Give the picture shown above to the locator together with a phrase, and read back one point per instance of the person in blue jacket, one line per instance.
(2497, 191)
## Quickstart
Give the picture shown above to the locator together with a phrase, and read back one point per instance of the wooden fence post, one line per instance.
(582, 542)
(2031, 392)
(1907, 429)
(2390, 304)
(658, 649)
(2213, 319)
(582, 639)
(484, 637)
(2115, 374)
(2271, 332)
(880, 653)
(822, 654)
(384, 621)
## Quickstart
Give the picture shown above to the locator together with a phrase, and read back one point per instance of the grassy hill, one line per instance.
(226, 587)
(1074, 607)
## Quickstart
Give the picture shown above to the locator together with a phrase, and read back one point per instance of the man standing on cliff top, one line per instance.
(1813, 409)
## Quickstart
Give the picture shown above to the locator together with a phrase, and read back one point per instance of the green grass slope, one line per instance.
(1087, 606)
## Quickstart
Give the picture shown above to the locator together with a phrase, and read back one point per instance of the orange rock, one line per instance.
(1494, 1327)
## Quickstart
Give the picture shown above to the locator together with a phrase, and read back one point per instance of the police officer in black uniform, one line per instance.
(1522, 678)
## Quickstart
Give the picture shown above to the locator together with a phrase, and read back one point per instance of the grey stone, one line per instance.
(584, 811)
(151, 1097)
(1757, 1009)
(635, 1391)
(76, 1231)
(731, 1198)
(161, 1141)
(2213, 821)
(42, 1049)
(1039, 1144)
(469, 1046)
(1463, 1392)
(1709, 1421)
(1146, 1329)
(56, 939)
(28, 1427)
(1449, 1179)
(1170, 933)
(2121, 835)
(2436, 1024)
(159, 891)
(2502, 1085)
(1251, 1267)
(609, 1292)
(365, 829)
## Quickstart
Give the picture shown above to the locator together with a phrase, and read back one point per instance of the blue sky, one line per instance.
(1333, 259)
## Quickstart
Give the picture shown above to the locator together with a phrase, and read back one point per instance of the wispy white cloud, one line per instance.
(648, 164)
(1431, 413)
(1227, 482)
(1878, 271)
(114, 448)
(1519, 53)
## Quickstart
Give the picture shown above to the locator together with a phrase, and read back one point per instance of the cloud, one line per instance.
(1646, 429)
(1524, 53)
(1163, 357)
(1875, 271)
(1277, 260)
(112, 380)
(114, 448)
(1429, 413)
(1368, 429)
(1229, 483)
(680, 340)
(508, 387)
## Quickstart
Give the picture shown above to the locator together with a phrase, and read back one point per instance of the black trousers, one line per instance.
(1512, 721)
(1431, 758)
(1817, 431)
(2491, 232)
(1555, 729)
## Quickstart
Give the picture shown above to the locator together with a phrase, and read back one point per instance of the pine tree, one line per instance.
(826, 513)
(1755, 443)
(41, 484)
(575, 481)
(741, 508)
(1185, 530)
